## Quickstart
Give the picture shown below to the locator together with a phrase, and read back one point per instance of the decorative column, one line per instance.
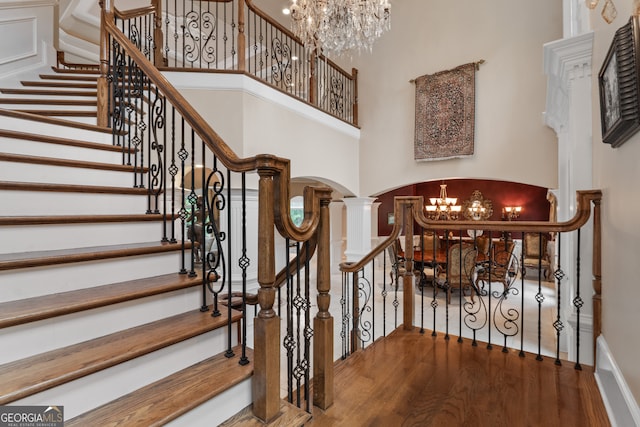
(568, 67)
(374, 224)
(358, 227)
(337, 234)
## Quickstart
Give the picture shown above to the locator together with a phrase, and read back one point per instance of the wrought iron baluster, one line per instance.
(558, 275)
(539, 297)
(578, 303)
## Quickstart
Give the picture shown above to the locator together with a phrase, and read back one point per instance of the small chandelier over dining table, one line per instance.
(335, 26)
(443, 207)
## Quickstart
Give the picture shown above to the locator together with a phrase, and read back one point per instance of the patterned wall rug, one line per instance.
(445, 114)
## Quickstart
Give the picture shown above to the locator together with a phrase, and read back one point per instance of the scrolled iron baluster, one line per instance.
(156, 170)
(365, 291)
(476, 316)
(190, 37)
(281, 70)
(208, 29)
(336, 105)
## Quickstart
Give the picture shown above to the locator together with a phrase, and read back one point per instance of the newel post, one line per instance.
(158, 37)
(354, 73)
(242, 42)
(106, 6)
(323, 322)
(407, 279)
(313, 78)
(597, 275)
(266, 370)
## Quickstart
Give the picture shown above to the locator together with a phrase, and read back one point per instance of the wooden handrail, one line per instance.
(583, 212)
(134, 13)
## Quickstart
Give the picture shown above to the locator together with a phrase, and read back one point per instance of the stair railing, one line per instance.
(392, 286)
(203, 190)
(237, 36)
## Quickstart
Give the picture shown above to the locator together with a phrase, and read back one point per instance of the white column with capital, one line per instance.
(336, 209)
(359, 210)
(568, 67)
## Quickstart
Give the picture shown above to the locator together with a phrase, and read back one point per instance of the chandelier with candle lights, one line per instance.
(443, 207)
(336, 26)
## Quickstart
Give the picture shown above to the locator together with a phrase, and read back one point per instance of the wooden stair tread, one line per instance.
(290, 415)
(45, 307)
(165, 400)
(54, 120)
(68, 77)
(65, 256)
(81, 219)
(62, 113)
(64, 141)
(40, 83)
(40, 372)
(70, 188)
(52, 161)
(93, 70)
(14, 91)
(65, 102)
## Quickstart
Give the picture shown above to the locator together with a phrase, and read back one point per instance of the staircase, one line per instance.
(95, 316)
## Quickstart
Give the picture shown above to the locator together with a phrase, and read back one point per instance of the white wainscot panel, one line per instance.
(18, 39)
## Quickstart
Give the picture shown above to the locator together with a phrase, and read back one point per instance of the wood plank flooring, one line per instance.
(411, 379)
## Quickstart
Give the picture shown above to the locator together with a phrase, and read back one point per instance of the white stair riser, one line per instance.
(46, 335)
(20, 172)
(30, 203)
(31, 238)
(85, 394)
(59, 131)
(44, 149)
(38, 281)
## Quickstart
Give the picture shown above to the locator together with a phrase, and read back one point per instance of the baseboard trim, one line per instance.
(621, 406)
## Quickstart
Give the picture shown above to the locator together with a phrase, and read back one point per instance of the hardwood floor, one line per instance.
(411, 379)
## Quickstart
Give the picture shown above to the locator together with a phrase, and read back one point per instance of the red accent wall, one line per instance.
(533, 199)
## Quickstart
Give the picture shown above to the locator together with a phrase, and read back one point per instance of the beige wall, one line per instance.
(511, 141)
(616, 172)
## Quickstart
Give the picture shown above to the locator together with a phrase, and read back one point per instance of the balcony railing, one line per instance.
(236, 36)
(496, 299)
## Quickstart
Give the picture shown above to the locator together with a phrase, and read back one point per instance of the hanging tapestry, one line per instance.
(445, 114)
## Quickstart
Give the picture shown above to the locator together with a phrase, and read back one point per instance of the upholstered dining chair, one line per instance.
(397, 261)
(430, 240)
(535, 254)
(483, 244)
(498, 267)
(460, 270)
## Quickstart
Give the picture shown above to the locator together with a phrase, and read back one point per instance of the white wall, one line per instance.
(26, 35)
(511, 140)
(616, 172)
(263, 120)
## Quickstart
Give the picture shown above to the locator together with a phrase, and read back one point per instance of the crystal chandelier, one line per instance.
(443, 207)
(335, 26)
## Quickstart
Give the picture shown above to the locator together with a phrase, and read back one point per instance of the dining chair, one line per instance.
(460, 270)
(498, 267)
(535, 254)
